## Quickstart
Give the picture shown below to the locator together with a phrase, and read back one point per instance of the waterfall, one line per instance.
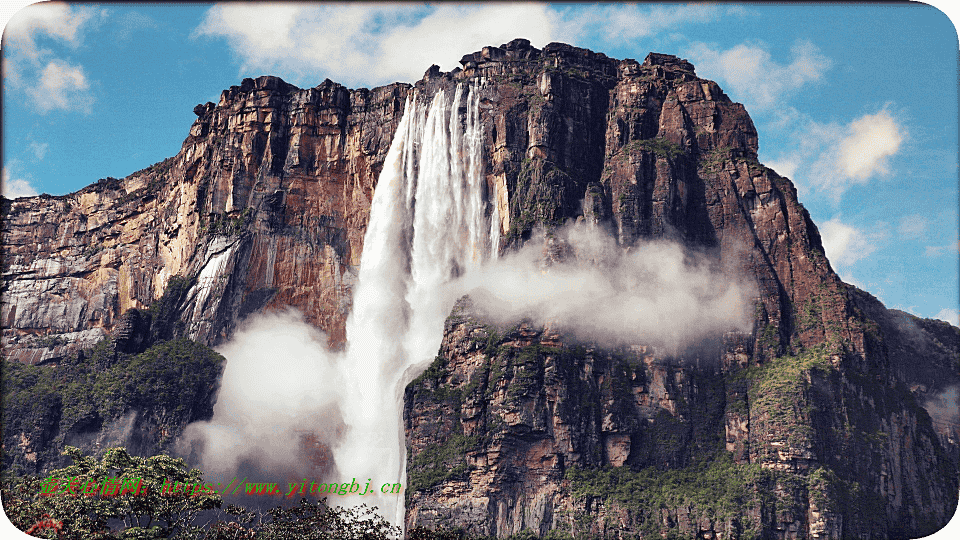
(428, 225)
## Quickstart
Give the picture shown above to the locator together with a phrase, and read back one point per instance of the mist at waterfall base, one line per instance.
(277, 410)
(430, 239)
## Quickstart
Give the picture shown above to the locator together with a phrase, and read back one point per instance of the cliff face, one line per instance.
(811, 426)
(817, 424)
(266, 204)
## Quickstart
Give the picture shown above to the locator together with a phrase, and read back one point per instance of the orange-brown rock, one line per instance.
(266, 203)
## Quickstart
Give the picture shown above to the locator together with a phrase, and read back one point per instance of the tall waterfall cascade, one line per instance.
(429, 223)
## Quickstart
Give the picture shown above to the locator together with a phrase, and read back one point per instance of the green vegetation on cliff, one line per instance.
(718, 485)
(777, 387)
(229, 224)
(44, 407)
(659, 146)
(166, 380)
(440, 462)
(738, 497)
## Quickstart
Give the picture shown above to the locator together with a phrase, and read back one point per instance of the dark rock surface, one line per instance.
(824, 410)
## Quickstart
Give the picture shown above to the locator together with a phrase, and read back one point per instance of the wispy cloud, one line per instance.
(612, 24)
(913, 226)
(49, 81)
(39, 150)
(131, 22)
(830, 158)
(786, 165)
(751, 75)
(937, 251)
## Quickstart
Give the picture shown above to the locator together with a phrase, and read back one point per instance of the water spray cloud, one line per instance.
(429, 221)
(279, 386)
(656, 291)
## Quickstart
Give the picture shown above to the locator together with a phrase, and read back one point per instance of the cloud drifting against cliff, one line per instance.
(655, 292)
(282, 383)
(846, 244)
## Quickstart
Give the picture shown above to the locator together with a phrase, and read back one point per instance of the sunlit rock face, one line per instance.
(266, 204)
(827, 416)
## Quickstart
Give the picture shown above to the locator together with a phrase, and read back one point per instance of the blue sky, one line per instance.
(857, 103)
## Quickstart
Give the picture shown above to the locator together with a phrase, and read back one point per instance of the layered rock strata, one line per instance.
(265, 204)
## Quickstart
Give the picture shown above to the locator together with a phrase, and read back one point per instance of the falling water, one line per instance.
(428, 225)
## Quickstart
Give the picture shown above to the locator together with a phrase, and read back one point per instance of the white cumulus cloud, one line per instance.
(952, 316)
(830, 158)
(867, 144)
(55, 19)
(373, 44)
(369, 44)
(48, 80)
(751, 75)
(853, 154)
(846, 244)
(61, 86)
(16, 187)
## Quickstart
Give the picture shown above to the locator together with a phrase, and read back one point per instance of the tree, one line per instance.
(307, 521)
(155, 497)
(125, 497)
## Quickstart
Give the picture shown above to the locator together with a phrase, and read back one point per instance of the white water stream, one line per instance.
(427, 225)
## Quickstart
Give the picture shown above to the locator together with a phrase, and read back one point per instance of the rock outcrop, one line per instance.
(831, 419)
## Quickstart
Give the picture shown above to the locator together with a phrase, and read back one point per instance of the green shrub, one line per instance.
(658, 146)
(439, 462)
(718, 488)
